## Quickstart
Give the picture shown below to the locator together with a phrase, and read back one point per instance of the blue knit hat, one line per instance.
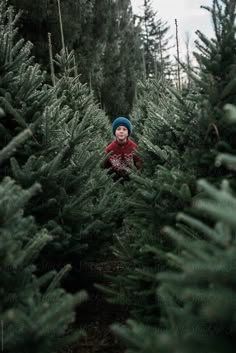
(122, 122)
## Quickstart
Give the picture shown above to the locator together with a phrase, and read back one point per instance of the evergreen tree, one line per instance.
(39, 19)
(34, 310)
(198, 294)
(187, 81)
(195, 304)
(122, 60)
(154, 42)
(167, 183)
(105, 40)
(217, 59)
(77, 206)
(177, 148)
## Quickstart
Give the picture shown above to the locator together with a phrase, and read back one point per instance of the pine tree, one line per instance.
(196, 290)
(37, 20)
(170, 152)
(177, 149)
(155, 43)
(198, 294)
(104, 38)
(216, 58)
(79, 204)
(34, 310)
(121, 61)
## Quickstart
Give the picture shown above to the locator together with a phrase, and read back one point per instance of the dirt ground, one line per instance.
(95, 317)
(99, 316)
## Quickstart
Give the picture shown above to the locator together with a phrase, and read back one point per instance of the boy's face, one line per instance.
(121, 134)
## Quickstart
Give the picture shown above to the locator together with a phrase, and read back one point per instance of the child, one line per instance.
(121, 156)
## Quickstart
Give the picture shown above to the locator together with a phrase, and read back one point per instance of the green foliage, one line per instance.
(105, 40)
(121, 60)
(217, 59)
(177, 147)
(154, 31)
(189, 264)
(34, 310)
(57, 136)
(168, 147)
(78, 204)
(198, 294)
(168, 128)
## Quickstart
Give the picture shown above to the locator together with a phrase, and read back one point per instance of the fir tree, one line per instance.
(34, 310)
(216, 58)
(155, 43)
(121, 60)
(177, 148)
(167, 183)
(65, 153)
(104, 38)
(198, 295)
(196, 291)
(37, 20)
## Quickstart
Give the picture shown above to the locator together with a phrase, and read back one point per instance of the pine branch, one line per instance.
(9, 109)
(16, 142)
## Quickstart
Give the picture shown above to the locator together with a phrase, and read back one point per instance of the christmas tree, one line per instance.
(195, 304)
(34, 310)
(178, 144)
(78, 204)
(53, 137)
(198, 294)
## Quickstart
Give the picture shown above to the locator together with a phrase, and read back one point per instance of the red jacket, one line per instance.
(122, 156)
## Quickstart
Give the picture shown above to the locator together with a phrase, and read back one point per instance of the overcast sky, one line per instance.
(188, 13)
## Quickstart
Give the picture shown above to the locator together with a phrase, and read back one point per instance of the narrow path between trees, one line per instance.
(96, 315)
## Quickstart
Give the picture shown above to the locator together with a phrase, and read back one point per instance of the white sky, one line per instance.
(188, 13)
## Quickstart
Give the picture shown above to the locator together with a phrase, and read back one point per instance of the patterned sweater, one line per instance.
(122, 157)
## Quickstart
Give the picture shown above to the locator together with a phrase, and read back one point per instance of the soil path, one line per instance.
(96, 315)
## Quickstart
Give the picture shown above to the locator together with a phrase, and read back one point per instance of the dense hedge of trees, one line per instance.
(171, 228)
